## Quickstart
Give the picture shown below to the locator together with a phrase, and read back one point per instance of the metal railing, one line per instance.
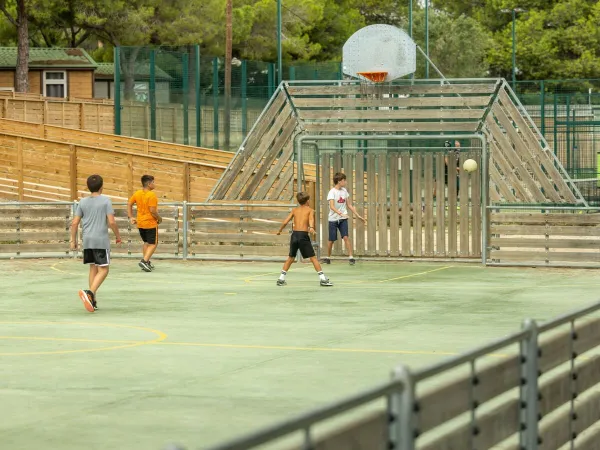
(542, 348)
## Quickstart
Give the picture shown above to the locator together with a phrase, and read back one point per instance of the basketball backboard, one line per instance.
(377, 49)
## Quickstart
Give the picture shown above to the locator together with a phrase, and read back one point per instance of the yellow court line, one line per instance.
(249, 279)
(160, 337)
(52, 339)
(402, 277)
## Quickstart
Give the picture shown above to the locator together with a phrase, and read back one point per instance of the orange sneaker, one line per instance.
(87, 301)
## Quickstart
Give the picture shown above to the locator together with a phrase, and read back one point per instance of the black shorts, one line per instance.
(98, 256)
(300, 240)
(149, 235)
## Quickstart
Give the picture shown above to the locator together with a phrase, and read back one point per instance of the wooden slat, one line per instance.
(429, 188)
(525, 152)
(512, 156)
(406, 222)
(557, 391)
(452, 205)
(233, 170)
(325, 187)
(349, 171)
(371, 205)
(476, 209)
(241, 237)
(432, 89)
(267, 214)
(417, 205)
(283, 183)
(557, 431)
(28, 236)
(503, 187)
(359, 196)
(35, 211)
(34, 248)
(25, 224)
(440, 219)
(532, 230)
(238, 250)
(222, 227)
(539, 154)
(382, 204)
(255, 159)
(266, 163)
(394, 205)
(551, 218)
(510, 179)
(406, 102)
(395, 114)
(546, 243)
(275, 171)
(391, 127)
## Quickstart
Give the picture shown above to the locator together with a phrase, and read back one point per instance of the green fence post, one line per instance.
(117, 58)
(244, 98)
(197, 91)
(568, 117)
(152, 94)
(543, 110)
(292, 73)
(186, 98)
(555, 124)
(216, 102)
(271, 78)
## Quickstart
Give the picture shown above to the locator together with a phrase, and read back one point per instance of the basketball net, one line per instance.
(371, 84)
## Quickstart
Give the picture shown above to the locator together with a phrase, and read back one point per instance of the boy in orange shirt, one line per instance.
(147, 219)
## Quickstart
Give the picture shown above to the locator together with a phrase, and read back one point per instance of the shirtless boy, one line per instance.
(303, 223)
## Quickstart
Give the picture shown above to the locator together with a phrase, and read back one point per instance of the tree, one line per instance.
(19, 19)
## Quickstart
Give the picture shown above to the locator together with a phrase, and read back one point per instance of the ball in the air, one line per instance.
(470, 165)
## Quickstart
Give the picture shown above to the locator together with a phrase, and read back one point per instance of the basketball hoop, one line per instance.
(371, 83)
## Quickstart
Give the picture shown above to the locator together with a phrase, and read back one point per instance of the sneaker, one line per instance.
(281, 282)
(326, 282)
(151, 265)
(144, 265)
(352, 261)
(92, 298)
(87, 300)
(326, 261)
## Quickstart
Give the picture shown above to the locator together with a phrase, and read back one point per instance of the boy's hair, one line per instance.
(147, 179)
(94, 183)
(338, 177)
(302, 198)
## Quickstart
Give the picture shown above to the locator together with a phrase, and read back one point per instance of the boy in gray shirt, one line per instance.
(96, 214)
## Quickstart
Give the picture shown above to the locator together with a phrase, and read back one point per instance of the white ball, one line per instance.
(470, 165)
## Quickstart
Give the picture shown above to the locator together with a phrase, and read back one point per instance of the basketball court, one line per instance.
(197, 352)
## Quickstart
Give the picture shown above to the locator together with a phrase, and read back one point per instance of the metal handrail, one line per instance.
(304, 421)
(549, 208)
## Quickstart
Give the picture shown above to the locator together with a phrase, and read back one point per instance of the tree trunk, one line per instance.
(22, 70)
(128, 59)
(228, 45)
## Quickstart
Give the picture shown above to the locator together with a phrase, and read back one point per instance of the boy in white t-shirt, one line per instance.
(339, 201)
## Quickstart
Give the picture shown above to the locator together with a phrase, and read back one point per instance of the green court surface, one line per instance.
(198, 352)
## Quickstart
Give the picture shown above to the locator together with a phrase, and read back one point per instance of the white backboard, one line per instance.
(377, 48)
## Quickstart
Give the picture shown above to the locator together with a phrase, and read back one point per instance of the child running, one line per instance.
(94, 213)
(304, 222)
(147, 219)
(338, 199)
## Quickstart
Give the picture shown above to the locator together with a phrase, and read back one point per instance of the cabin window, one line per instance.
(55, 84)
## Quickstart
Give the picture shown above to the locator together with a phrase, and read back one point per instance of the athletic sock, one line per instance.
(322, 276)
(283, 274)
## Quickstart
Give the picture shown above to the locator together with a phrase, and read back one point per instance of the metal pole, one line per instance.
(543, 108)
(185, 230)
(152, 94)
(410, 18)
(514, 53)
(484, 199)
(427, 38)
(216, 103)
(186, 99)
(279, 62)
(198, 102)
(528, 436)
(402, 406)
(244, 98)
(117, 90)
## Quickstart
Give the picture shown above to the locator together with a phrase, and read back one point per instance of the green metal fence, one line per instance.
(177, 95)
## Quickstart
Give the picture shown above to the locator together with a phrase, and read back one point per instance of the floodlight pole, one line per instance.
(427, 38)
(410, 18)
(514, 12)
(279, 63)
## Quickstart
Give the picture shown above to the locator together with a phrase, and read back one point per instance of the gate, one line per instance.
(414, 209)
